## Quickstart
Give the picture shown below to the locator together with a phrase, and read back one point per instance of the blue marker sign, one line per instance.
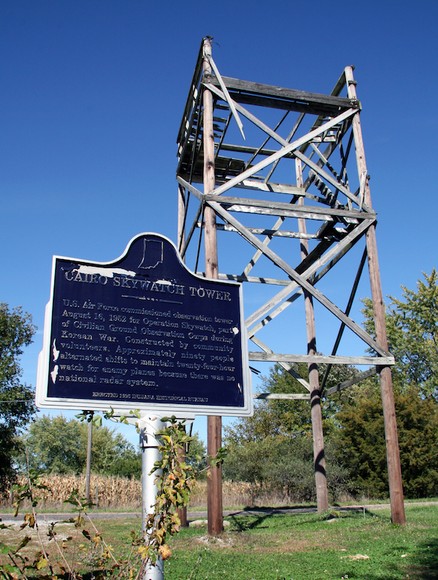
(143, 332)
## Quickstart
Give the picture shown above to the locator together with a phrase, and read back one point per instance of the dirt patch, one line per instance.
(12, 534)
(27, 545)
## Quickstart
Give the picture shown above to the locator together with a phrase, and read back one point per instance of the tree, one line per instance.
(53, 445)
(273, 448)
(111, 453)
(58, 445)
(361, 436)
(412, 325)
(16, 399)
(271, 445)
(196, 456)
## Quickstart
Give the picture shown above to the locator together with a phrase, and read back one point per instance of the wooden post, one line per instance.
(214, 424)
(315, 393)
(182, 512)
(392, 448)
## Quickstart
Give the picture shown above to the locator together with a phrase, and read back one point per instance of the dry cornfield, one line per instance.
(105, 491)
(124, 493)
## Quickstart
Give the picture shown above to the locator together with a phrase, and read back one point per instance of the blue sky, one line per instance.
(93, 93)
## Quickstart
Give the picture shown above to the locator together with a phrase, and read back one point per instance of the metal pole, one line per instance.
(149, 455)
(214, 424)
(392, 448)
(88, 467)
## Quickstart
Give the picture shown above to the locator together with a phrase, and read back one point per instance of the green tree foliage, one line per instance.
(412, 326)
(363, 440)
(196, 456)
(16, 399)
(59, 445)
(112, 454)
(273, 448)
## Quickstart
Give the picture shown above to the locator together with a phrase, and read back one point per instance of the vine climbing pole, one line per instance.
(274, 181)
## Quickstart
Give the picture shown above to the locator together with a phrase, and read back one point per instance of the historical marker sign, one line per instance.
(143, 332)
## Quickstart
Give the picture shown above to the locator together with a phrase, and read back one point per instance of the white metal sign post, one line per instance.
(149, 426)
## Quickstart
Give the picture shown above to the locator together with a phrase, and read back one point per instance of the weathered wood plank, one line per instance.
(270, 232)
(267, 206)
(319, 358)
(392, 447)
(214, 424)
(282, 98)
(282, 188)
(254, 279)
(190, 187)
(245, 149)
(227, 95)
(283, 396)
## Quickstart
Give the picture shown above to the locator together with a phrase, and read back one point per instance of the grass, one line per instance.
(341, 544)
(344, 545)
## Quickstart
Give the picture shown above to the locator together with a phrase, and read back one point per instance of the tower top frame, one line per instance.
(289, 168)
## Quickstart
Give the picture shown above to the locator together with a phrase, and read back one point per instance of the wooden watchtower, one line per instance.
(274, 182)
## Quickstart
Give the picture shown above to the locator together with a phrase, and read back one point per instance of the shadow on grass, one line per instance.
(425, 564)
(257, 515)
(248, 521)
(251, 510)
(250, 518)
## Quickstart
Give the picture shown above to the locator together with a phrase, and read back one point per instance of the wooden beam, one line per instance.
(282, 208)
(282, 98)
(329, 259)
(283, 396)
(319, 358)
(392, 447)
(254, 279)
(271, 187)
(214, 424)
(315, 390)
(269, 232)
